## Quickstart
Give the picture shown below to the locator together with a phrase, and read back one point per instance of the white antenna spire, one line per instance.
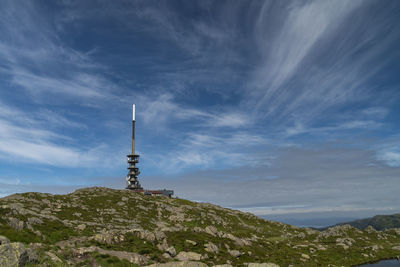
(133, 112)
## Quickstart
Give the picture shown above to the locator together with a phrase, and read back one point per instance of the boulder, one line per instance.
(81, 227)
(166, 256)
(130, 256)
(212, 230)
(16, 224)
(171, 251)
(4, 240)
(211, 247)
(13, 254)
(305, 256)
(53, 257)
(235, 253)
(34, 220)
(191, 242)
(188, 256)
(163, 246)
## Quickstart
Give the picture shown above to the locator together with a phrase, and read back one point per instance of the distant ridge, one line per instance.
(378, 222)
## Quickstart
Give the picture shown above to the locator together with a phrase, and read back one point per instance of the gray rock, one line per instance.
(305, 256)
(188, 256)
(34, 220)
(130, 256)
(210, 247)
(212, 230)
(171, 251)
(4, 240)
(16, 224)
(53, 257)
(235, 253)
(191, 242)
(81, 227)
(163, 246)
(160, 235)
(166, 256)
(13, 254)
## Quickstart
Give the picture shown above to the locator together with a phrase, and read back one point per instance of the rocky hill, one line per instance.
(106, 227)
(379, 222)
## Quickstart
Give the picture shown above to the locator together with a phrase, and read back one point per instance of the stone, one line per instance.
(212, 230)
(370, 229)
(166, 256)
(104, 238)
(53, 257)
(235, 253)
(16, 224)
(222, 265)
(81, 227)
(34, 220)
(191, 242)
(160, 235)
(13, 255)
(305, 256)
(345, 247)
(188, 256)
(130, 256)
(396, 248)
(163, 246)
(346, 240)
(210, 247)
(171, 251)
(4, 240)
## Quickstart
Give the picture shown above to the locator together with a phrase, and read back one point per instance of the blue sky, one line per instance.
(274, 107)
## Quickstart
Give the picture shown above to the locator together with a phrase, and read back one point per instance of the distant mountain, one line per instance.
(317, 222)
(118, 228)
(379, 222)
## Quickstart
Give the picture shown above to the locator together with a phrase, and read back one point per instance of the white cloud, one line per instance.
(334, 129)
(390, 157)
(163, 109)
(305, 24)
(29, 140)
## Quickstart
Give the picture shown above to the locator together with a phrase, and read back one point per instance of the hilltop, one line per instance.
(106, 227)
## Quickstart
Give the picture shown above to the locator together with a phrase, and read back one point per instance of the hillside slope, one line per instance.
(106, 227)
(379, 222)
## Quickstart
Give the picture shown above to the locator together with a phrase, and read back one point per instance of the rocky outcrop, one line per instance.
(14, 254)
(131, 257)
(93, 226)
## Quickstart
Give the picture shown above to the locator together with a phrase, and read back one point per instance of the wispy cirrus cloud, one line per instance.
(164, 108)
(27, 138)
